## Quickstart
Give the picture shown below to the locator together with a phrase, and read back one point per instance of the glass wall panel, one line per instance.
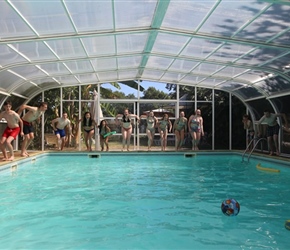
(70, 93)
(119, 90)
(206, 113)
(221, 120)
(282, 104)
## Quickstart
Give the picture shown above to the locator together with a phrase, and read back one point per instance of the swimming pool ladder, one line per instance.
(252, 141)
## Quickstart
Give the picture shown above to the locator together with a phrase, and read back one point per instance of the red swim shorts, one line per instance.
(11, 132)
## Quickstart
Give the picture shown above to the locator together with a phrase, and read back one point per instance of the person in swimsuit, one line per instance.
(59, 124)
(150, 129)
(248, 125)
(273, 129)
(89, 129)
(164, 126)
(126, 126)
(104, 129)
(14, 126)
(180, 129)
(33, 114)
(195, 126)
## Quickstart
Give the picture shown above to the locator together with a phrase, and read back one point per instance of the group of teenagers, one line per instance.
(23, 126)
(272, 132)
(194, 125)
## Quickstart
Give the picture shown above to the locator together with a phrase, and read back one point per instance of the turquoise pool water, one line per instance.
(143, 202)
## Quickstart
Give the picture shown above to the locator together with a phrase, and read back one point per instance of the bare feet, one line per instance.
(271, 153)
(10, 158)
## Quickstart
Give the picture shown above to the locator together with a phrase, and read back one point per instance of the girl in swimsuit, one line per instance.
(104, 129)
(164, 126)
(89, 129)
(126, 127)
(195, 126)
(150, 129)
(180, 129)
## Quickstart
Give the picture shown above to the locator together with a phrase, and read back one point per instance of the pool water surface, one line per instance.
(143, 202)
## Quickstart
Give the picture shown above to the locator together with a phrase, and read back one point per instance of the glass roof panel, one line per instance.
(274, 85)
(28, 71)
(54, 68)
(192, 79)
(8, 79)
(200, 48)
(66, 80)
(182, 65)
(230, 52)
(186, 15)
(67, 48)
(26, 89)
(210, 82)
(47, 17)
(284, 39)
(128, 74)
(100, 45)
(159, 62)
(251, 76)
(85, 18)
(130, 43)
(111, 76)
(230, 86)
(229, 72)
(87, 78)
(104, 64)
(9, 56)
(265, 26)
(138, 14)
(228, 17)
(172, 77)
(11, 25)
(248, 92)
(129, 62)
(47, 82)
(169, 43)
(79, 66)
(149, 74)
(206, 68)
(34, 50)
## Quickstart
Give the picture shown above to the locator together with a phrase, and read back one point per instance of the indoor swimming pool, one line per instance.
(143, 201)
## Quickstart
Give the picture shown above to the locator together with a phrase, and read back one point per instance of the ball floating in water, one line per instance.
(230, 207)
(287, 224)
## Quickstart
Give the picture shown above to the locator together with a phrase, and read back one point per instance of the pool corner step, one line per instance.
(94, 155)
(190, 155)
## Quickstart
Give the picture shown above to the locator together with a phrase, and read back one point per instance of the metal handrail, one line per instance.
(260, 139)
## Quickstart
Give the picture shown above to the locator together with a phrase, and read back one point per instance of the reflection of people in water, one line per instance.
(126, 127)
(273, 129)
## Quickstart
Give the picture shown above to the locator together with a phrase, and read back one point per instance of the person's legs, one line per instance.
(270, 144)
(193, 136)
(181, 138)
(198, 134)
(28, 138)
(177, 136)
(90, 141)
(275, 138)
(149, 136)
(129, 132)
(3, 148)
(86, 135)
(164, 140)
(10, 148)
(62, 143)
(124, 136)
(107, 143)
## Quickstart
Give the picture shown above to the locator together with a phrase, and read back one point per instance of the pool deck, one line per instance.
(141, 150)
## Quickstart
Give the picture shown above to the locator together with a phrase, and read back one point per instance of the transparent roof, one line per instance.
(242, 47)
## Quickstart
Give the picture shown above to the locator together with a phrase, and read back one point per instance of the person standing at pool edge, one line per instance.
(195, 126)
(89, 129)
(14, 126)
(248, 125)
(272, 130)
(150, 129)
(59, 129)
(180, 129)
(126, 127)
(33, 114)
